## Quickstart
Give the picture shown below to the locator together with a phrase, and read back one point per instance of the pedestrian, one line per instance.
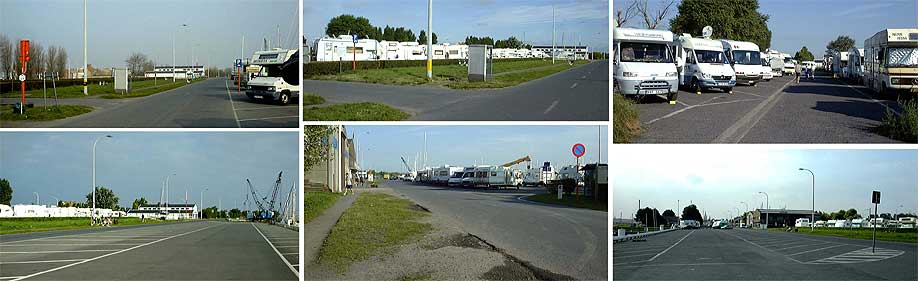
(797, 70)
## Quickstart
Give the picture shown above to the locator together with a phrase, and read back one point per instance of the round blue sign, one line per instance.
(579, 150)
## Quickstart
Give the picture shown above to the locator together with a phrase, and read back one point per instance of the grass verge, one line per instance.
(513, 79)
(24, 225)
(42, 113)
(364, 111)
(312, 99)
(897, 235)
(625, 123)
(316, 203)
(371, 226)
(903, 127)
(76, 91)
(570, 201)
(149, 90)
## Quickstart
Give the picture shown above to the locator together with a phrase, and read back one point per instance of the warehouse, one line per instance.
(180, 72)
(779, 217)
(168, 212)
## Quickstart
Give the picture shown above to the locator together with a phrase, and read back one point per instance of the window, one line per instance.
(746, 57)
(438, 52)
(454, 52)
(711, 56)
(493, 174)
(645, 52)
(350, 50)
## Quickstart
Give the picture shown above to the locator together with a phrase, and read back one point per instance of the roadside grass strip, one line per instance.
(42, 113)
(316, 202)
(364, 111)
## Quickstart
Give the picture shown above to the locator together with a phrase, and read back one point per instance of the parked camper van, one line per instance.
(802, 222)
(855, 64)
(468, 177)
(745, 59)
(689, 224)
(891, 61)
(702, 64)
(790, 65)
(540, 176)
(269, 83)
(767, 74)
(456, 178)
(643, 63)
(442, 175)
(493, 176)
(840, 64)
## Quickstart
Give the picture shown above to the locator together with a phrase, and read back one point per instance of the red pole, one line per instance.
(22, 86)
(355, 56)
(239, 80)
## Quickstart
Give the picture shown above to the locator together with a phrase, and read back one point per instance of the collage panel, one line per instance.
(456, 202)
(514, 60)
(149, 64)
(765, 213)
(149, 206)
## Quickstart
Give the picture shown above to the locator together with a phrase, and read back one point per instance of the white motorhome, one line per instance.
(855, 64)
(442, 175)
(790, 65)
(643, 63)
(908, 222)
(689, 224)
(840, 64)
(540, 176)
(269, 83)
(702, 64)
(776, 60)
(456, 178)
(571, 172)
(343, 48)
(891, 61)
(767, 75)
(802, 222)
(745, 59)
(493, 176)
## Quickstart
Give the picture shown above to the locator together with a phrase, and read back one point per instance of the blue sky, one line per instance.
(119, 28)
(455, 19)
(134, 164)
(381, 146)
(813, 23)
(718, 178)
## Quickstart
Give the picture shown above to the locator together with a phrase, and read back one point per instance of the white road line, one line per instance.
(292, 269)
(574, 86)
(680, 264)
(631, 252)
(798, 246)
(670, 247)
(109, 254)
(736, 132)
(286, 254)
(552, 106)
(751, 94)
(267, 118)
(294, 246)
(259, 108)
(232, 104)
(631, 256)
(97, 244)
(9, 277)
(757, 245)
(820, 249)
(671, 114)
(48, 261)
(52, 252)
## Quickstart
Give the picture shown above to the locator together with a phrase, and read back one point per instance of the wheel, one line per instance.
(752, 84)
(284, 98)
(671, 97)
(696, 86)
(729, 90)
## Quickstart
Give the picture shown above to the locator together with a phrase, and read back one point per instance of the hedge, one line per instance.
(7, 85)
(335, 67)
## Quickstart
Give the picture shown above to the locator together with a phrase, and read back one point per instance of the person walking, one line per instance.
(797, 70)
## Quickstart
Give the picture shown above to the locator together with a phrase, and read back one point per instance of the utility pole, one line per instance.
(85, 61)
(553, 35)
(813, 215)
(429, 40)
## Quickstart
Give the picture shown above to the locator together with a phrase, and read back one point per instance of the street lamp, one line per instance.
(166, 187)
(766, 208)
(173, 53)
(93, 215)
(85, 63)
(813, 215)
(201, 212)
(747, 209)
(37, 202)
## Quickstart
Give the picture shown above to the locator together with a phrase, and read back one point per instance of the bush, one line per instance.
(905, 126)
(625, 122)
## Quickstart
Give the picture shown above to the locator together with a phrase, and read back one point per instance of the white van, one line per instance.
(643, 63)
(767, 75)
(269, 83)
(702, 64)
(745, 59)
(802, 222)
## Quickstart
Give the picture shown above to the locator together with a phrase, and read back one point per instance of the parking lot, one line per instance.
(260, 114)
(823, 110)
(238, 251)
(741, 254)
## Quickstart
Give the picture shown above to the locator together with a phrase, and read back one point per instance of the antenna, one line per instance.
(707, 32)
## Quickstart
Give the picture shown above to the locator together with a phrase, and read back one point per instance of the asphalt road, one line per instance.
(824, 110)
(579, 94)
(208, 250)
(740, 254)
(213, 103)
(568, 241)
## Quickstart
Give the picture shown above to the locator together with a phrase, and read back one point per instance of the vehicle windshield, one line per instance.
(746, 57)
(705, 56)
(645, 52)
(765, 62)
(788, 60)
(468, 175)
(902, 57)
(457, 175)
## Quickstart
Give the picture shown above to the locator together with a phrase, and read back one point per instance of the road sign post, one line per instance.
(239, 75)
(354, 67)
(24, 58)
(578, 150)
(875, 199)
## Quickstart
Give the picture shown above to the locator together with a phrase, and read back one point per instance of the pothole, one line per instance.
(459, 240)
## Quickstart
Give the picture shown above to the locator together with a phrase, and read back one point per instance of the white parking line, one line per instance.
(550, 107)
(258, 108)
(232, 104)
(97, 244)
(52, 252)
(9, 277)
(287, 254)
(292, 269)
(631, 256)
(670, 247)
(680, 264)
(574, 86)
(798, 246)
(48, 261)
(631, 252)
(815, 250)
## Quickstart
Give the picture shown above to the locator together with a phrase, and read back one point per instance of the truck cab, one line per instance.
(643, 63)
(702, 64)
(268, 84)
(746, 60)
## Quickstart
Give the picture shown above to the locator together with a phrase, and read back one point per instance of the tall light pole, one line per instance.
(429, 39)
(552, 34)
(93, 215)
(85, 59)
(766, 208)
(166, 187)
(173, 52)
(747, 209)
(37, 202)
(813, 215)
(201, 213)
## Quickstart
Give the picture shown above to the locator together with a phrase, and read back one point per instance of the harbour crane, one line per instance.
(517, 161)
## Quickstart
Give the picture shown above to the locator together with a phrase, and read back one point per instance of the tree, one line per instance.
(851, 214)
(349, 24)
(139, 202)
(511, 43)
(841, 44)
(105, 198)
(652, 19)
(422, 38)
(235, 213)
(6, 192)
(735, 20)
(650, 217)
(669, 213)
(316, 143)
(61, 63)
(803, 55)
(691, 212)
(623, 16)
(136, 63)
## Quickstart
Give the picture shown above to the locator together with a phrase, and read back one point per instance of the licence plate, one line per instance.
(256, 96)
(655, 92)
(722, 84)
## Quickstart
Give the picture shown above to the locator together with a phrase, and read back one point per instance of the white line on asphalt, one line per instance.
(286, 254)
(9, 277)
(679, 264)
(820, 249)
(654, 249)
(760, 246)
(48, 261)
(631, 256)
(267, 118)
(574, 86)
(727, 102)
(671, 114)
(109, 254)
(670, 247)
(798, 246)
(52, 252)
(292, 269)
(259, 108)
(232, 104)
(96, 244)
(736, 132)
(294, 246)
(552, 106)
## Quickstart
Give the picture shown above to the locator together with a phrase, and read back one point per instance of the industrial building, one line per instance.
(165, 211)
(179, 71)
(341, 167)
(778, 217)
(33, 211)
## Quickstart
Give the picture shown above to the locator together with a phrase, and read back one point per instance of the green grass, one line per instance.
(905, 126)
(364, 111)
(454, 76)
(415, 276)
(24, 225)
(625, 123)
(312, 99)
(316, 203)
(149, 89)
(371, 227)
(571, 201)
(897, 235)
(41, 113)
(76, 91)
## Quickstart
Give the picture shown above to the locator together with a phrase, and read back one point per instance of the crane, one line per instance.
(517, 161)
(406, 164)
(265, 213)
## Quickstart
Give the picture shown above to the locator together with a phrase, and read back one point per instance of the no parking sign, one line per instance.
(579, 150)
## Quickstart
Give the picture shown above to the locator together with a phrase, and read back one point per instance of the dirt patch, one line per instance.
(463, 240)
(509, 271)
(536, 272)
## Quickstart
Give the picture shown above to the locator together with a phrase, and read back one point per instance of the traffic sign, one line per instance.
(875, 199)
(22, 77)
(579, 150)
(355, 38)
(238, 62)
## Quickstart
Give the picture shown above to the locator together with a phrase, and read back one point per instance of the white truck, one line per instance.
(891, 61)
(790, 65)
(702, 64)
(643, 63)
(745, 59)
(268, 84)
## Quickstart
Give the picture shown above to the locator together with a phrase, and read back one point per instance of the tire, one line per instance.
(284, 98)
(672, 97)
(729, 90)
(696, 86)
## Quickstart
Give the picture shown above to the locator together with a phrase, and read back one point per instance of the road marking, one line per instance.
(757, 245)
(736, 132)
(259, 108)
(290, 254)
(583, 77)
(574, 86)
(859, 256)
(232, 104)
(266, 118)
(10, 277)
(292, 269)
(109, 254)
(680, 264)
(798, 246)
(751, 94)
(97, 244)
(52, 252)
(671, 114)
(616, 257)
(48, 261)
(654, 249)
(670, 247)
(820, 249)
(552, 106)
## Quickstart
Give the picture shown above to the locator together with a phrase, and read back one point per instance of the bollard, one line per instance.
(621, 232)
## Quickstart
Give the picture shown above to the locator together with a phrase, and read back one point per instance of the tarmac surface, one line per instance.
(578, 94)
(824, 110)
(563, 240)
(200, 250)
(213, 103)
(742, 254)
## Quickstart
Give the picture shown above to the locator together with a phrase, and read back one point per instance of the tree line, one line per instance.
(41, 60)
(350, 24)
(651, 217)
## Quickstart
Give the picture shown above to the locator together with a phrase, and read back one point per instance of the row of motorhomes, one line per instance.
(902, 222)
(657, 62)
(494, 176)
(888, 62)
(343, 48)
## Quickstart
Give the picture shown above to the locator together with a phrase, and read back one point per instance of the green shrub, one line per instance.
(903, 127)
(625, 123)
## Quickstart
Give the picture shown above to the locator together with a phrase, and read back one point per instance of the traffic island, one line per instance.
(570, 201)
(149, 89)
(43, 113)
(364, 111)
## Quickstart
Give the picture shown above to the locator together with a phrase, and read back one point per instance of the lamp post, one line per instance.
(166, 187)
(201, 213)
(429, 40)
(813, 215)
(747, 209)
(85, 63)
(766, 208)
(37, 202)
(173, 53)
(93, 215)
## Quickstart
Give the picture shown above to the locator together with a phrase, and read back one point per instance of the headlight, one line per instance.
(270, 89)
(894, 81)
(670, 74)
(629, 74)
